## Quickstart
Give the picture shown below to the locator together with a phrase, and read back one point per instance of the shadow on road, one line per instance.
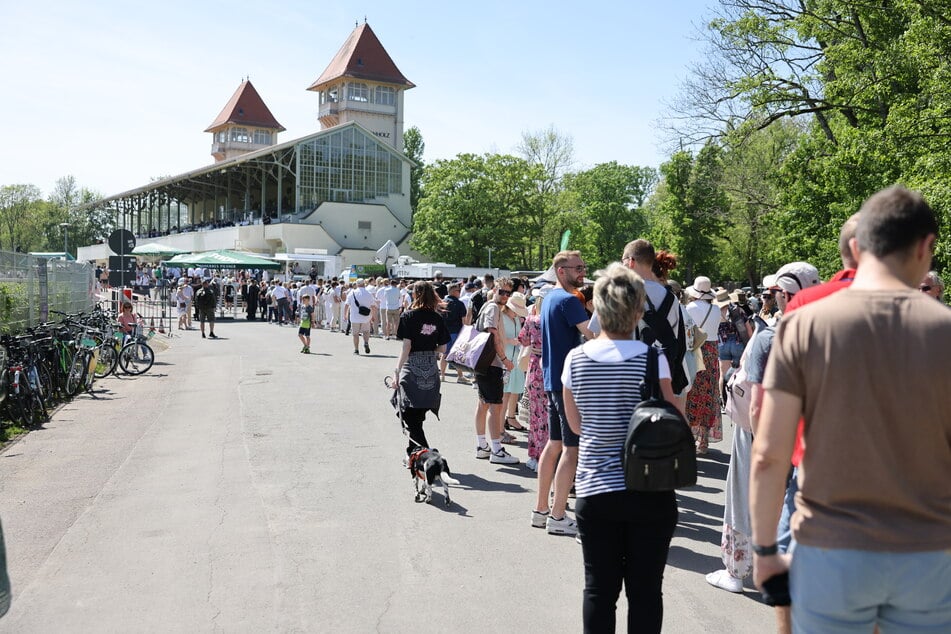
(470, 481)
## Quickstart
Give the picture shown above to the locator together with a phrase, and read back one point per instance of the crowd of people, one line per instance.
(841, 447)
(842, 443)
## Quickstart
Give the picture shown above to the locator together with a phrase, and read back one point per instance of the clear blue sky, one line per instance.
(117, 93)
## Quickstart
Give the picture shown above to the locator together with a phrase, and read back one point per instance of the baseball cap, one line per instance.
(796, 276)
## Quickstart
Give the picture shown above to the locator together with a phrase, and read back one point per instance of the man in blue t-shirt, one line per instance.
(564, 320)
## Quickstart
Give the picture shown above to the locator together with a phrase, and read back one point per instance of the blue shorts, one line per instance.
(730, 350)
(556, 412)
(842, 591)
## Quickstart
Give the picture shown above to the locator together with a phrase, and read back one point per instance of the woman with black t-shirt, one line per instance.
(424, 335)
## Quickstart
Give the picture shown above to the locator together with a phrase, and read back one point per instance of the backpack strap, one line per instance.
(650, 388)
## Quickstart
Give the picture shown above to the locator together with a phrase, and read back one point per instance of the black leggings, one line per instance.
(413, 418)
(625, 537)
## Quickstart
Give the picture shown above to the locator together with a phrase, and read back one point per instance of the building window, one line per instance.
(222, 136)
(262, 137)
(240, 135)
(385, 95)
(347, 165)
(358, 92)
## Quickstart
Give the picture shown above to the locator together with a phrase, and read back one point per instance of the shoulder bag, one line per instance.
(473, 349)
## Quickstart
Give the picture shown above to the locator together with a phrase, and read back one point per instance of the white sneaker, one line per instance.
(564, 526)
(483, 452)
(532, 464)
(502, 457)
(724, 580)
(539, 519)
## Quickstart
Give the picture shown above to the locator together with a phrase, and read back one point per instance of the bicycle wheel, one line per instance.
(77, 373)
(136, 358)
(46, 385)
(108, 358)
(40, 415)
(21, 410)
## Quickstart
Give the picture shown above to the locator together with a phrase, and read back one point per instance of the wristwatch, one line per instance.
(766, 551)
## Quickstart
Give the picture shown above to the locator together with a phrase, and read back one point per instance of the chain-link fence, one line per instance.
(31, 286)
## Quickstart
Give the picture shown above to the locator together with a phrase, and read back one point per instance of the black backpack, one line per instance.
(659, 451)
(674, 345)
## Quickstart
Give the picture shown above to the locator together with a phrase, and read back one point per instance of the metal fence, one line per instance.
(31, 286)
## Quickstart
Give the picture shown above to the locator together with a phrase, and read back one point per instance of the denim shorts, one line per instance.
(730, 350)
(556, 412)
(842, 591)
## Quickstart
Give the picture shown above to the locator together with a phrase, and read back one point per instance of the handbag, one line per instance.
(473, 349)
(699, 334)
(659, 452)
(524, 356)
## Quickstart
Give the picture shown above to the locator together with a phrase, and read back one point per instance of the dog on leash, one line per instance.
(426, 466)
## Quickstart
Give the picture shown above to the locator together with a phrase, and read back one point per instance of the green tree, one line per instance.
(696, 207)
(475, 203)
(413, 148)
(22, 214)
(751, 242)
(554, 152)
(872, 81)
(70, 203)
(606, 201)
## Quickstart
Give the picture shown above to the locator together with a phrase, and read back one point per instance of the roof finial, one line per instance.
(356, 23)
(364, 19)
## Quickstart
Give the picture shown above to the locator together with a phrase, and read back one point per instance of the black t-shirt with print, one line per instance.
(426, 329)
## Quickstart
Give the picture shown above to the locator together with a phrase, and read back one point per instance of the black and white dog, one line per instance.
(426, 466)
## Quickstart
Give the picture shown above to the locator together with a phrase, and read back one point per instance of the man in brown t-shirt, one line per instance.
(867, 368)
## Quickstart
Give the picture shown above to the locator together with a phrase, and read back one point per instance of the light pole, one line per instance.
(65, 226)
(489, 249)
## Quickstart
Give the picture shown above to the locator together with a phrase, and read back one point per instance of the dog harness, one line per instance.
(415, 458)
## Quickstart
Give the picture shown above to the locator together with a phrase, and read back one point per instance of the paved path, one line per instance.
(243, 487)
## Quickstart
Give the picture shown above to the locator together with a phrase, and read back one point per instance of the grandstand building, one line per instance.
(344, 190)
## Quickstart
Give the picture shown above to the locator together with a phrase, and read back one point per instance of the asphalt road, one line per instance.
(241, 486)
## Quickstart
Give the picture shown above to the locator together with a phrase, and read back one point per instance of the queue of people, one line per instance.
(840, 453)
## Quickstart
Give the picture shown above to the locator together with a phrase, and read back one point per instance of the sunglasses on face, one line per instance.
(502, 292)
(924, 288)
(579, 268)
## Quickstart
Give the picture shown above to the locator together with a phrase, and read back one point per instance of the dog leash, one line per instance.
(388, 382)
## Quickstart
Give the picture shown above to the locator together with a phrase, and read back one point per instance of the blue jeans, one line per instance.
(838, 591)
(784, 537)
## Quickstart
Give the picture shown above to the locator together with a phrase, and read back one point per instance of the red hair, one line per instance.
(664, 263)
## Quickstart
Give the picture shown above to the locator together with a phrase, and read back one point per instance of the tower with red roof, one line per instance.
(244, 125)
(362, 84)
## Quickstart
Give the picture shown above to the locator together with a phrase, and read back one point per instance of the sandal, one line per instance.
(507, 439)
(510, 427)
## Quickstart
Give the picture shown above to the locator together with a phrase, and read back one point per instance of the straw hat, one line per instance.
(721, 297)
(516, 304)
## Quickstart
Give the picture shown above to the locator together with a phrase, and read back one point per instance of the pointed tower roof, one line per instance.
(362, 57)
(246, 107)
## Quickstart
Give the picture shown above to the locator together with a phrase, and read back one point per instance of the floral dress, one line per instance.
(531, 335)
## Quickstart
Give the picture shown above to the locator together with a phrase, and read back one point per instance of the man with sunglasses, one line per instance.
(490, 383)
(564, 321)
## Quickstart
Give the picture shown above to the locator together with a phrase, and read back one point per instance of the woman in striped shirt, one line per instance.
(625, 535)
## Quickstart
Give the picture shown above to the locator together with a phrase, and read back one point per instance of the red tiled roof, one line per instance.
(362, 57)
(246, 107)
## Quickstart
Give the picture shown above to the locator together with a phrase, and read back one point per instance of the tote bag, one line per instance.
(473, 349)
